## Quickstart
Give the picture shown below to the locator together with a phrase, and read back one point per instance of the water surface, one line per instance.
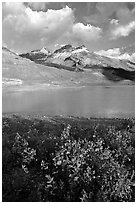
(96, 101)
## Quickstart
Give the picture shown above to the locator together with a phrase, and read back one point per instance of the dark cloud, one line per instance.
(36, 6)
(105, 11)
(115, 18)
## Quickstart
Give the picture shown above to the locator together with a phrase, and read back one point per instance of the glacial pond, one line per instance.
(95, 101)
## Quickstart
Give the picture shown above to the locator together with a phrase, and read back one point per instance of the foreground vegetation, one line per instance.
(68, 159)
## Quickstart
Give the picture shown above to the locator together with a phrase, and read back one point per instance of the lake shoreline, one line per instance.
(46, 86)
(61, 118)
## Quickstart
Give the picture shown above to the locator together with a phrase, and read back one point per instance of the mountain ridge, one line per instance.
(62, 68)
(80, 53)
(80, 58)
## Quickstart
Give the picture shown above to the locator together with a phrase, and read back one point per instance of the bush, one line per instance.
(48, 167)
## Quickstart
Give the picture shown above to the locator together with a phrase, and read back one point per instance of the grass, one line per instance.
(68, 159)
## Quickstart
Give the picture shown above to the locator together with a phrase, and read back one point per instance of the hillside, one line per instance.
(80, 59)
(42, 68)
(18, 71)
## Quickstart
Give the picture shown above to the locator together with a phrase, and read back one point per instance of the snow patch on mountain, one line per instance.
(62, 55)
(83, 49)
(80, 58)
(45, 51)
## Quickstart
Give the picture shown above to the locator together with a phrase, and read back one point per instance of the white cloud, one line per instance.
(24, 28)
(114, 21)
(126, 56)
(86, 32)
(123, 30)
(116, 53)
(132, 57)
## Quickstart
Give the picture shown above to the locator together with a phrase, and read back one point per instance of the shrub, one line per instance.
(41, 166)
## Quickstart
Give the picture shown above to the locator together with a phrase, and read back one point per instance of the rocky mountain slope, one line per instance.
(19, 71)
(80, 59)
(76, 67)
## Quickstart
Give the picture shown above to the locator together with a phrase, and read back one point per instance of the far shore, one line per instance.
(46, 86)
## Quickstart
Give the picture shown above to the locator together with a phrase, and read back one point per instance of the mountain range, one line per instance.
(66, 65)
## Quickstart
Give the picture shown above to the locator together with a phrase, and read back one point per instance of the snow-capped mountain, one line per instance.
(19, 71)
(35, 55)
(75, 66)
(77, 58)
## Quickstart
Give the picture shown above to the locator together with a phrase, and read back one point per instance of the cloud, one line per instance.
(105, 11)
(80, 34)
(114, 21)
(116, 53)
(129, 49)
(132, 57)
(126, 56)
(86, 32)
(123, 30)
(9, 8)
(115, 18)
(37, 6)
(24, 28)
(125, 15)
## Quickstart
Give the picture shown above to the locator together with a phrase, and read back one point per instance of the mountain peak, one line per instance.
(80, 47)
(67, 47)
(45, 50)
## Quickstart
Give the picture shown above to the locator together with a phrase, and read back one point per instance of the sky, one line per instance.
(103, 27)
